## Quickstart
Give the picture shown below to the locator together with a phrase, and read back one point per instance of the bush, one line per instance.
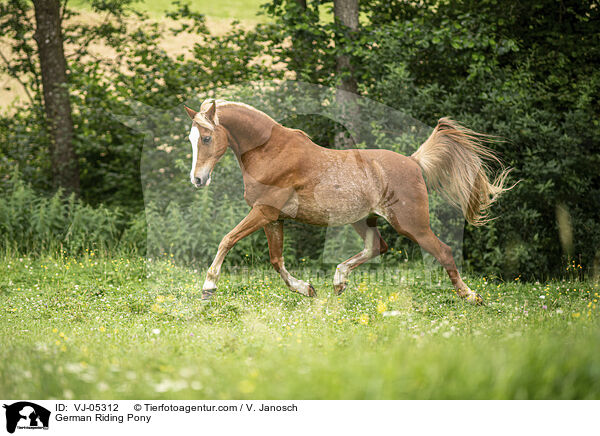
(30, 223)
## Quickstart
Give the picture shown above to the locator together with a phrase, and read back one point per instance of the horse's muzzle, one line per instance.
(199, 182)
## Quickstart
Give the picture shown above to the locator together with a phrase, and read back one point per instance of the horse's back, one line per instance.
(394, 167)
(400, 177)
(389, 159)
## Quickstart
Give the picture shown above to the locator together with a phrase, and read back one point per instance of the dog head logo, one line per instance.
(26, 415)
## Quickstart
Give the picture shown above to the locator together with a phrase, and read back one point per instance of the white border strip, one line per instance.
(248, 417)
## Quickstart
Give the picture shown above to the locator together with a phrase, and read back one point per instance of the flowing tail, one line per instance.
(455, 160)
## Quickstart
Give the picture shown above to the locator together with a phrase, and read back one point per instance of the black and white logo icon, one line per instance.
(26, 415)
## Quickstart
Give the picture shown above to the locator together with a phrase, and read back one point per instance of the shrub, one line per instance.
(31, 223)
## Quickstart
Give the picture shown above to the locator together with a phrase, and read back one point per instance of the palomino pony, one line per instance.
(287, 176)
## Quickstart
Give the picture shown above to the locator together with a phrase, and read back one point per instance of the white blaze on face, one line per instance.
(194, 137)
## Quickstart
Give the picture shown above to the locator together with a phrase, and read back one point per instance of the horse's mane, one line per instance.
(225, 103)
(302, 132)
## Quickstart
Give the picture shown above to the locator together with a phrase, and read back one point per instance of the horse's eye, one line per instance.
(206, 139)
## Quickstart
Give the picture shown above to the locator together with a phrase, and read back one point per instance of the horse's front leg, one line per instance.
(256, 219)
(274, 232)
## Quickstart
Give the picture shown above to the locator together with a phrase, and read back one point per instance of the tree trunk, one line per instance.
(48, 36)
(346, 13)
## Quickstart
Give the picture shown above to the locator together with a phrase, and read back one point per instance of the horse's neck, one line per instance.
(248, 128)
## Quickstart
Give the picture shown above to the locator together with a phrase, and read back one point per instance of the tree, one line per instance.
(53, 66)
(346, 15)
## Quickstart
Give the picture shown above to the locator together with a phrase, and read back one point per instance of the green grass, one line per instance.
(113, 327)
(242, 10)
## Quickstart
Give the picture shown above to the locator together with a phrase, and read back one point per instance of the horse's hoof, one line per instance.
(311, 291)
(339, 288)
(207, 294)
(475, 299)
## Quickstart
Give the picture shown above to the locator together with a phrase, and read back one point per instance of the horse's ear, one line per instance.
(191, 113)
(211, 113)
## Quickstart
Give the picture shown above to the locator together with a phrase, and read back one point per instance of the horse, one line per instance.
(289, 177)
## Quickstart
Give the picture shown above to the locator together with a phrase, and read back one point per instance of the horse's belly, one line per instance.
(347, 191)
(332, 209)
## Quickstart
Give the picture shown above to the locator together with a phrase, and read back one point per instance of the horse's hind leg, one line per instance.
(416, 227)
(274, 232)
(374, 246)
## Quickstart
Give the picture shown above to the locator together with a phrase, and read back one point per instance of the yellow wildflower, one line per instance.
(156, 308)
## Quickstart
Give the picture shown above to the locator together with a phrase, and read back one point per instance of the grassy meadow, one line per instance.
(241, 10)
(102, 326)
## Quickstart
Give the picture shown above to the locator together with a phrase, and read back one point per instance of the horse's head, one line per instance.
(209, 142)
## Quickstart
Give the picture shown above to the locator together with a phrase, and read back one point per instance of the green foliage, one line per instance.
(527, 72)
(30, 223)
